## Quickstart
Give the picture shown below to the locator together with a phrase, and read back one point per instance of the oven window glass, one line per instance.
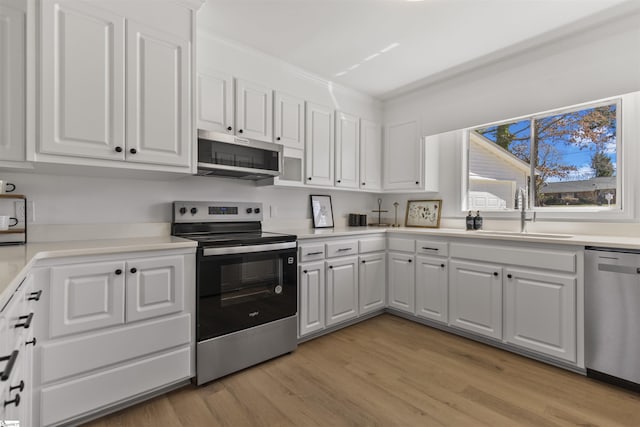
(249, 280)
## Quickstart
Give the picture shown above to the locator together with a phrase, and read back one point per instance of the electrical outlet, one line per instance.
(31, 212)
(273, 211)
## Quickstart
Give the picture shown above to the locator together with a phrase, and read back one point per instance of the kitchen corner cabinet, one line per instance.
(432, 285)
(120, 326)
(372, 278)
(215, 102)
(254, 111)
(403, 153)
(370, 155)
(319, 130)
(115, 88)
(475, 298)
(13, 60)
(347, 173)
(402, 279)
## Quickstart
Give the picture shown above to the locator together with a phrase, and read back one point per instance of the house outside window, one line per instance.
(565, 159)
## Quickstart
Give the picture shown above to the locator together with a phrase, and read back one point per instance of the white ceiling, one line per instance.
(381, 46)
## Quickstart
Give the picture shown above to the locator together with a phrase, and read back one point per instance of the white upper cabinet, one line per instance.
(12, 80)
(158, 120)
(82, 82)
(319, 145)
(115, 87)
(403, 157)
(370, 155)
(254, 111)
(347, 173)
(289, 121)
(215, 104)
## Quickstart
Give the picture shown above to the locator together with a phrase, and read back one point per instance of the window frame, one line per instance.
(627, 107)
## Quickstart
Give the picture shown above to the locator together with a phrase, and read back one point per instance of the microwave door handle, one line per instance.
(248, 249)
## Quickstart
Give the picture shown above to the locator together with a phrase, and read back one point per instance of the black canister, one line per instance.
(354, 220)
(363, 220)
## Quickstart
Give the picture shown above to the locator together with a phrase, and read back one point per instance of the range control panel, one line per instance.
(217, 211)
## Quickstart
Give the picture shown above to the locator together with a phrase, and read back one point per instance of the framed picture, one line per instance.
(423, 213)
(321, 211)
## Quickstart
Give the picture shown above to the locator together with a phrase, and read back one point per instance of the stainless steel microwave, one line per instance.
(220, 154)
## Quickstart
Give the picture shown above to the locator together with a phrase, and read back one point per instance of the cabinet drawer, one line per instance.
(374, 244)
(341, 248)
(93, 392)
(432, 247)
(402, 245)
(311, 252)
(64, 358)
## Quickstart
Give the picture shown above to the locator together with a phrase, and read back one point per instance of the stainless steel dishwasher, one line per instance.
(612, 315)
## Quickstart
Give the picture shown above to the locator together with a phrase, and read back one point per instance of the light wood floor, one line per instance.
(389, 371)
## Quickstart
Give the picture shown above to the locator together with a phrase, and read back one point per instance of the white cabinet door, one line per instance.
(370, 155)
(432, 287)
(475, 298)
(342, 289)
(289, 121)
(312, 294)
(402, 157)
(82, 80)
(12, 80)
(155, 287)
(87, 296)
(402, 282)
(254, 111)
(347, 151)
(158, 124)
(372, 277)
(215, 101)
(540, 312)
(319, 145)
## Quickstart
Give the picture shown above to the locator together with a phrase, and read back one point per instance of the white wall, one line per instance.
(93, 200)
(603, 62)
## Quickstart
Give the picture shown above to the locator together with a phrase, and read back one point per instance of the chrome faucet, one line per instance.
(522, 201)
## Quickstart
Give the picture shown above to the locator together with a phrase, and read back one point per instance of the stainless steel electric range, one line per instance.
(246, 309)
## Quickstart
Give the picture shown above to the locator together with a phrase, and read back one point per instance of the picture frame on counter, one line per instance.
(321, 211)
(423, 213)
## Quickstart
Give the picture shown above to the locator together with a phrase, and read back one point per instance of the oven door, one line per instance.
(245, 286)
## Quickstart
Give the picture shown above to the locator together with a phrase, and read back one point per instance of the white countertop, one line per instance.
(622, 242)
(15, 261)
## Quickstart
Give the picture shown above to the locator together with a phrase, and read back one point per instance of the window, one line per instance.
(563, 160)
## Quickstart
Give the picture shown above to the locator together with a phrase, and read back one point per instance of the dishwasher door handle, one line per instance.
(624, 269)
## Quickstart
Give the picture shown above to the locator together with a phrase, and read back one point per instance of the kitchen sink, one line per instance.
(525, 234)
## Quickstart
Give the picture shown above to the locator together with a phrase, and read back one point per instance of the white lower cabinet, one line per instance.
(402, 278)
(120, 326)
(540, 312)
(342, 289)
(432, 288)
(312, 290)
(475, 298)
(372, 278)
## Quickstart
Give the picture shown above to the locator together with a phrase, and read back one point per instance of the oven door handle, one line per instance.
(248, 249)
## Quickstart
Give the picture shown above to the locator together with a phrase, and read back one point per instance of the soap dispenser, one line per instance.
(470, 224)
(477, 221)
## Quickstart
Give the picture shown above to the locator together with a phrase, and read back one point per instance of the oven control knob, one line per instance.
(278, 290)
(183, 210)
(194, 211)
(256, 210)
(249, 210)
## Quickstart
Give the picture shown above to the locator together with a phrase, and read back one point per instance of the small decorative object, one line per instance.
(477, 221)
(395, 223)
(423, 213)
(321, 211)
(379, 212)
